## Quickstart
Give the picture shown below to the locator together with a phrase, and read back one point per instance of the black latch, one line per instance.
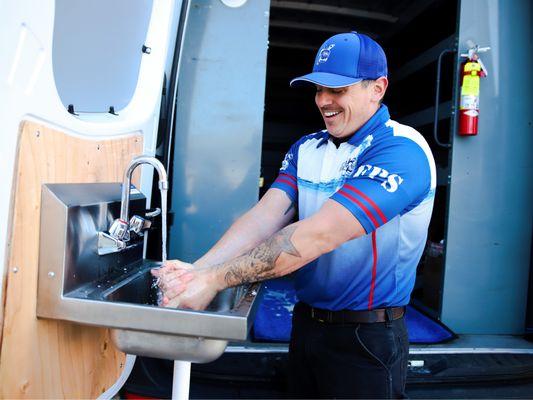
(70, 109)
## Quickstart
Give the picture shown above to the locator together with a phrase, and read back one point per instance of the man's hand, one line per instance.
(185, 286)
(169, 279)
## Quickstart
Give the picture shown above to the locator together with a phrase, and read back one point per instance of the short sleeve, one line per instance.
(386, 183)
(286, 179)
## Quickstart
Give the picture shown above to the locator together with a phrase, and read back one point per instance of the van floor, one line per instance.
(472, 366)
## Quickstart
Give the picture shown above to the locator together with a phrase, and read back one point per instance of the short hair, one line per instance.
(366, 82)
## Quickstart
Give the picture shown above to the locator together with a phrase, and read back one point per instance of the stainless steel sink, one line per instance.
(141, 288)
(116, 290)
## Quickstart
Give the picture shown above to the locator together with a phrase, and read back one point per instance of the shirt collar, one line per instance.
(378, 119)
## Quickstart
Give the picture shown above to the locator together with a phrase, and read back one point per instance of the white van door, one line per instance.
(80, 94)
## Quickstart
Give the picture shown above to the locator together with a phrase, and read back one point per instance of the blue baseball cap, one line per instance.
(345, 59)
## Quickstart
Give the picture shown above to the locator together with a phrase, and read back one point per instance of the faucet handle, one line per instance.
(154, 213)
(139, 224)
(120, 230)
(108, 244)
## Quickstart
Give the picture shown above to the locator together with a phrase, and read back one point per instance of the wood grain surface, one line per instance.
(45, 358)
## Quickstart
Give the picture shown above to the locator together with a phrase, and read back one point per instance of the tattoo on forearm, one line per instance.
(258, 264)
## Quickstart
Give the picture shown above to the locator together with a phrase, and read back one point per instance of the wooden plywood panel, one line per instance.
(45, 358)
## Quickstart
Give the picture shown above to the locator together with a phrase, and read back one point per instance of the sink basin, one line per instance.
(136, 289)
(116, 290)
(140, 288)
(128, 302)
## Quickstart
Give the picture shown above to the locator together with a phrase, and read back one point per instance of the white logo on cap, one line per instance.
(324, 54)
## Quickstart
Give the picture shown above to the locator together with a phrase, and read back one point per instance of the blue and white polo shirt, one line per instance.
(385, 176)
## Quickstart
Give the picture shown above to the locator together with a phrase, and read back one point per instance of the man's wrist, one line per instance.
(217, 275)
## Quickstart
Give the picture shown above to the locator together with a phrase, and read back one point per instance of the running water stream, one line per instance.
(164, 193)
(155, 281)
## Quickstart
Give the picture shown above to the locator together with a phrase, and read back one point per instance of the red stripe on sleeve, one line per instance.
(369, 200)
(287, 182)
(363, 207)
(374, 271)
(289, 176)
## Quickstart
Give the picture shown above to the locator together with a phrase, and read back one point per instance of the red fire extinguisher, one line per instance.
(472, 71)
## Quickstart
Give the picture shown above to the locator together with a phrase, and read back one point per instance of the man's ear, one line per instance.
(379, 88)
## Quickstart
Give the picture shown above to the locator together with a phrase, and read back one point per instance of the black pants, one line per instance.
(347, 360)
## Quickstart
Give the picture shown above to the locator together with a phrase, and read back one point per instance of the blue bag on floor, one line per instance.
(273, 319)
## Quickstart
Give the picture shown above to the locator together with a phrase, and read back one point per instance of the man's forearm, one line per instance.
(250, 230)
(259, 263)
(291, 248)
(243, 235)
(284, 252)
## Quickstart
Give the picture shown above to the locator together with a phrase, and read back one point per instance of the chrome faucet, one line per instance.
(119, 232)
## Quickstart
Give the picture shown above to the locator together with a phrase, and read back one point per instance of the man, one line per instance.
(364, 187)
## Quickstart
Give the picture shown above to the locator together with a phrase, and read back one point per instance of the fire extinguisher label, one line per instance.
(471, 85)
(469, 103)
(471, 79)
(472, 113)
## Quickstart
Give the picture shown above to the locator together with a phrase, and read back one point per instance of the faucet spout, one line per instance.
(163, 181)
(120, 227)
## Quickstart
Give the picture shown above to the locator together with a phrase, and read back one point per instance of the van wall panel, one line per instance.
(219, 122)
(491, 192)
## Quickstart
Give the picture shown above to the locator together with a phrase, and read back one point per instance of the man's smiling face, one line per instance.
(346, 109)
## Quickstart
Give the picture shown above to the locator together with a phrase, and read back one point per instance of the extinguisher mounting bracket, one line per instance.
(473, 54)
